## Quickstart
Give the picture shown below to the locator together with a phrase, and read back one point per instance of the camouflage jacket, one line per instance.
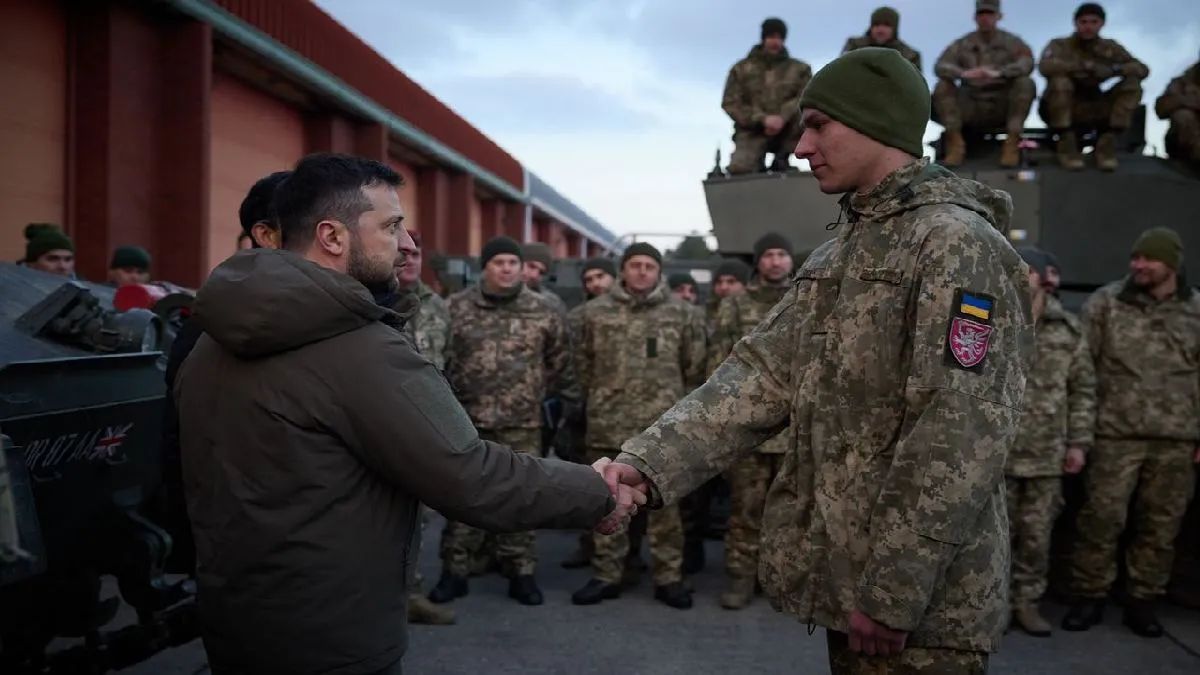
(1004, 51)
(1060, 396)
(1182, 92)
(761, 85)
(504, 356)
(736, 317)
(1147, 356)
(911, 55)
(891, 497)
(1089, 62)
(430, 328)
(551, 298)
(636, 357)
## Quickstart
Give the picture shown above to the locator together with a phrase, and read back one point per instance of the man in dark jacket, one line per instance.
(311, 431)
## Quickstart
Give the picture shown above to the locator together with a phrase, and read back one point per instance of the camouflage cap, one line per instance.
(987, 6)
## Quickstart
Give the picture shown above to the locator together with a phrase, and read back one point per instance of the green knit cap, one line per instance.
(130, 256)
(1162, 244)
(41, 238)
(886, 16)
(875, 91)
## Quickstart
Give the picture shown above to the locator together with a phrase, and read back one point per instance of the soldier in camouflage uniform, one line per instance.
(751, 475)
(762, 95)
(508, 346)
(537, 266)
(1056, 430)
(683, 286)
(1075, 67)
(884, 31)
(1144, 334)
(898, 358)
(983, 82)
(730, 278)
(1180, 104)
(640, 351)
(430, 331)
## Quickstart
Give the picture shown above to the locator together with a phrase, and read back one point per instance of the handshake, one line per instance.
(628, 486)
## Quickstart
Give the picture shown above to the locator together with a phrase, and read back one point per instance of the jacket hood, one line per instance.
(659, 295)
(261, 302)
(922, 183)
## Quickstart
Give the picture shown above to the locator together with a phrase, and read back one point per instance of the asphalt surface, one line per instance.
(636, 634)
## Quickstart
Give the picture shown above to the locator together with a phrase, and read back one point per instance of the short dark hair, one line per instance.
(326, 186)
(256, 207)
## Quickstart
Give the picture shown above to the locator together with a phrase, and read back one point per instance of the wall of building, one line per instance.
(33, 120)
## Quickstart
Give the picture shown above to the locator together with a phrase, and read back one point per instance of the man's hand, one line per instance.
(772, 124)
(1075, 460)
(976, 73)
(629, 492)
(870, 637)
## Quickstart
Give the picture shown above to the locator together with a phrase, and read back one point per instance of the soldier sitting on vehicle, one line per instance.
(983, 82)
(129, 265)
(762, 97)
(48, 249)
(1075, 67)
(885, 32)
(1180, 103)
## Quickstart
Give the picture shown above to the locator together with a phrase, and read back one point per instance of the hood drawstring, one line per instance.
(843, 210)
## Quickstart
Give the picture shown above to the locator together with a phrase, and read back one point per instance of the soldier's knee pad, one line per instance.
(1023, 87)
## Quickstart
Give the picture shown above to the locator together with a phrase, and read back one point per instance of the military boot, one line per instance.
(739, 594)
(524, 589)
(1027, 616)
(1141, 619)
(956, 149)
(594, 592)
(1106, 151)
(1010, 153)
(448, 588)
(1068, 151)
(1083, 614)
(421, 610)
(674, 594)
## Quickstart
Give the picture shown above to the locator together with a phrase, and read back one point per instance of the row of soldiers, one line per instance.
(983, 84)
(49, 249)
(639, 344)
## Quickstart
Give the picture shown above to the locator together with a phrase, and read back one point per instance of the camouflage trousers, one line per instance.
(1033, 506)
(1005, 107)
(911, 661)
(750, 146)
(1183, 137)
(749, 479)
(1162, 474)
(515, 550)
(665, 529)
(1066, 106)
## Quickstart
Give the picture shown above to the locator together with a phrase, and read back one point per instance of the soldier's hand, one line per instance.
(772, 124)
(870, 637)
(628, 497)
(1075, 460)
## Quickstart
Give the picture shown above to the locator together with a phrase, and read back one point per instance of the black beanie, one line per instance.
(1036, 258)
(41, 238)
(680, 278)
(605, 265)
(640, 248)
(769, 241)
(733, 268)
(500, 246)
(1092, 8)
(774, 26)
(130, 256)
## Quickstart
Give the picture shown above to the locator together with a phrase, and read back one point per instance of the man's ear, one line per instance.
(333, 238)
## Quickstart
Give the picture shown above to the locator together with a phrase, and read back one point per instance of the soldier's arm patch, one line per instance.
(969, 330)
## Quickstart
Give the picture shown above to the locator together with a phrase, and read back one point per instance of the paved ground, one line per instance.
(635, 634)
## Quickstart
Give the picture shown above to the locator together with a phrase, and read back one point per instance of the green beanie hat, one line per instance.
(130, 256)
(886, 16)
(536, 251)
(1162, 244)
(41, 238)
(875, 91)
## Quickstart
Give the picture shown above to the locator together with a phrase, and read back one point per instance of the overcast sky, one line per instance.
(616, 103)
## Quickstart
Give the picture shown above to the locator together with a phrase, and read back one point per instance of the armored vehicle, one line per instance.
(81, 398)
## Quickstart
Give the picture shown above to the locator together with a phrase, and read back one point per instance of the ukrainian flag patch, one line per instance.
(978, 306)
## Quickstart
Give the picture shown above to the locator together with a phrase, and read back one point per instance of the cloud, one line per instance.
(617, 102)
